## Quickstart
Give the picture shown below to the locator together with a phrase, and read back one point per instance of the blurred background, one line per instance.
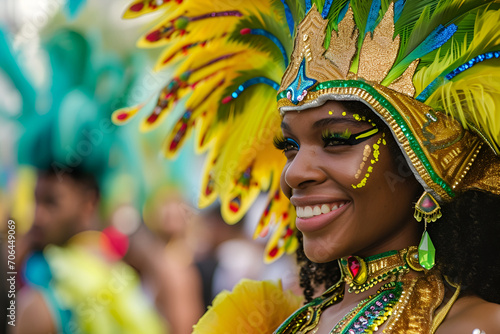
(108, 238)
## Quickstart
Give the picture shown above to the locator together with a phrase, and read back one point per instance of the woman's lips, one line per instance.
(311, 218)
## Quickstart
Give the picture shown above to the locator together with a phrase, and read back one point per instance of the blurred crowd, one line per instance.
(107, 236)
(154, 270)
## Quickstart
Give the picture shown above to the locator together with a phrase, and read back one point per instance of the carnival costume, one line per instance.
(427, 69)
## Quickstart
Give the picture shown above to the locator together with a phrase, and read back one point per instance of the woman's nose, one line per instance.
(304, 169)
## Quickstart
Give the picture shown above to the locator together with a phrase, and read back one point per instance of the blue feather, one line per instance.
(326, 8)
(273, 39)
(251, 82)
(289, 17)
(373, 16)
(443, 78)
(398, 9)
(435, 40)
(343, 12)
(308, 5)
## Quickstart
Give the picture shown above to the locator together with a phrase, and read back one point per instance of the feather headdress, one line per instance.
(426, 67)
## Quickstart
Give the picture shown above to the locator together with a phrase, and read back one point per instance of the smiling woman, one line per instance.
(338, 184)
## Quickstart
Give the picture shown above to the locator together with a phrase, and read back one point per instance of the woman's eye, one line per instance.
(334, 141)
(286, 144)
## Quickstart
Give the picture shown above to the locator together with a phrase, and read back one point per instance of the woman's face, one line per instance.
(351, 193)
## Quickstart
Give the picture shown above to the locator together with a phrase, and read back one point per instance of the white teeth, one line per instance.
(316, 210)
(308, 211)
(300, 212)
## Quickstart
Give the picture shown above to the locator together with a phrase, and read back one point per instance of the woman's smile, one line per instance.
(311, 218)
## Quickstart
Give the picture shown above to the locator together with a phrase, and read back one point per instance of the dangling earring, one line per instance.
(428, 208)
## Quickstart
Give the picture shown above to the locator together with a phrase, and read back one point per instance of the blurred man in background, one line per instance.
(72, 284)
(74, 280)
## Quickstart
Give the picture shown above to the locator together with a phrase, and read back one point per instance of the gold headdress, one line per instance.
(427, 120)
(427, 68)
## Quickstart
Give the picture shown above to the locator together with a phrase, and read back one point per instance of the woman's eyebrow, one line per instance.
(335, 120)
(285, 126)
(325, 122)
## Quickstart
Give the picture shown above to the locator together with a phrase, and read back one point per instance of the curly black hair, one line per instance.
(314, 275)
(467, 245)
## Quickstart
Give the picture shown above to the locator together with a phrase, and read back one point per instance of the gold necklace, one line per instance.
(362, 274)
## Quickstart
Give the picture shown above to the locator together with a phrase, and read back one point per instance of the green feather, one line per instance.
(414, 32)
(337, 6)
(297, 8)
(446, 12)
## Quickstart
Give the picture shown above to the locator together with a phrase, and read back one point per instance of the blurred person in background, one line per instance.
(72, 284)
(171, 274)
(74, 278)
(227, 254)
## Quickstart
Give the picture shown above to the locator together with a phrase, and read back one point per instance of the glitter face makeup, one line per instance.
(366, 154)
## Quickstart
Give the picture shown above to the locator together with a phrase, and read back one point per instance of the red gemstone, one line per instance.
(137, 7)
(226, 99)
(353, 265)
(428, 204)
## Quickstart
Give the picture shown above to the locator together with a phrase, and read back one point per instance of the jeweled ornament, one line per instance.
(426, 252)
(428, 208)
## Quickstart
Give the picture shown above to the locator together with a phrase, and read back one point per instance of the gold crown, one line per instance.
(439, 150)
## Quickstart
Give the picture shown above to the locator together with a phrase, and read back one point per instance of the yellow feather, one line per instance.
(473, 97)
(146, 9)
(252, 307)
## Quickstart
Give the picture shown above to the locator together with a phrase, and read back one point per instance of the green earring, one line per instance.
(428, 209)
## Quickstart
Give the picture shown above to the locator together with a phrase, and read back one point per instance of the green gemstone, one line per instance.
(426, 252)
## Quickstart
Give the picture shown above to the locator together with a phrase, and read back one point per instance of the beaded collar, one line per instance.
(361, 275)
